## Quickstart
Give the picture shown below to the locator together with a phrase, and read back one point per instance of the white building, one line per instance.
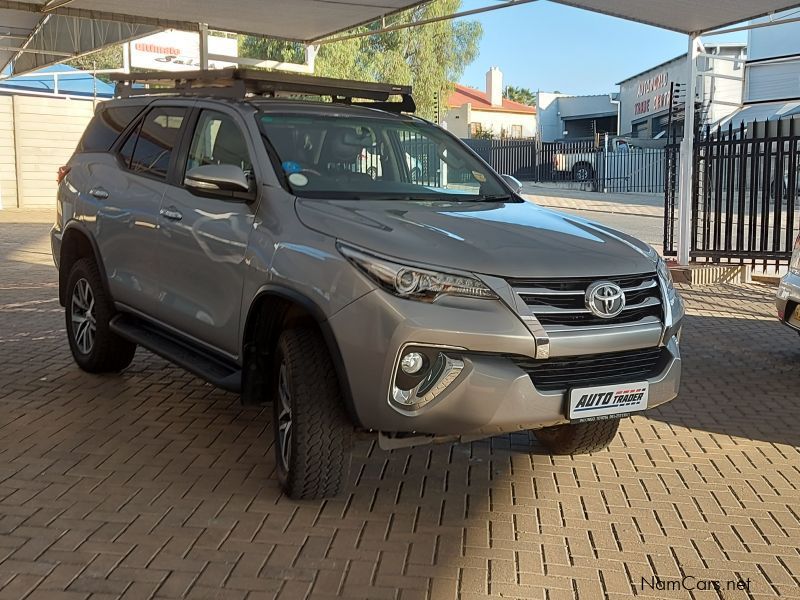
(645, 97)
(771, 74)
(472, 112)
(576, 118)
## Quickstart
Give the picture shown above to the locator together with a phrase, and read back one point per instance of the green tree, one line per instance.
(107, 58)
(428, 57)
(483, 134)
(520, 94)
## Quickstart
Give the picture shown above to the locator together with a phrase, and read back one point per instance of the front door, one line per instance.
(204, 239)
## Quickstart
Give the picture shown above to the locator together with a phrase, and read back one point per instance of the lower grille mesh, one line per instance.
(559, 374)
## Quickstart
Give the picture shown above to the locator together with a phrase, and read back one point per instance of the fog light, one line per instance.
(412, 363)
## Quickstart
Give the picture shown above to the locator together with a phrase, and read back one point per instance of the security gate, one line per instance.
(744, 194)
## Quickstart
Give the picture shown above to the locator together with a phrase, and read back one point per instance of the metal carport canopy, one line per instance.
(53, 30)
(685, 16)
(61, 27)
(310, 20)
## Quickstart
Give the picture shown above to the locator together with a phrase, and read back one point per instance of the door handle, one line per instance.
(171, 213)
(99, 193)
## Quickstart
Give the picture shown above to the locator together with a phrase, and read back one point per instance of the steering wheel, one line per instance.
(307, 170)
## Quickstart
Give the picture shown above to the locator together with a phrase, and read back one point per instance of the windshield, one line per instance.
(375, 158)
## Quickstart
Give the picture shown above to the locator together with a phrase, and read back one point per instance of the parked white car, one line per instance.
(369, 162)
(581, 164)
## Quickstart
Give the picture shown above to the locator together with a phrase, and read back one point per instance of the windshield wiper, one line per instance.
(495, 197)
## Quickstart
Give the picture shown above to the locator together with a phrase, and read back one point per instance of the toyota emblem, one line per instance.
(605, 299)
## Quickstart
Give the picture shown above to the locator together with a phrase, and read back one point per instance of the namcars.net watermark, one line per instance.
(690, 582)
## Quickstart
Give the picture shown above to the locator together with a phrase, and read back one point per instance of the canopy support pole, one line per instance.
(203, 33)
(687, 155)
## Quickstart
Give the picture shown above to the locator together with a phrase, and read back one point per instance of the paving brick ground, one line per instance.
(153, 484)
(594, 202)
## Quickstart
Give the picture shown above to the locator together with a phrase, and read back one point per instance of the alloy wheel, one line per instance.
(284, 418)
(84, 323)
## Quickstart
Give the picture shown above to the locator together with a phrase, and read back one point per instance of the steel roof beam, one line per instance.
(35, 51)
(58, 37)
(68, 11)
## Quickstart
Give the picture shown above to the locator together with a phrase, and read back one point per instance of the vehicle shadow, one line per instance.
(741, 368)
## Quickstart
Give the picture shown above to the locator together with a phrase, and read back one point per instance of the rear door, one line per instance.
(204, 235)
(128, 191)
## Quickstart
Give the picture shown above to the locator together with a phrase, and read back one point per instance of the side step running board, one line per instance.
(204, 364)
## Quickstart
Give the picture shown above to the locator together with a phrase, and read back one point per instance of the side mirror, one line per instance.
(514, 183)
(213, 178)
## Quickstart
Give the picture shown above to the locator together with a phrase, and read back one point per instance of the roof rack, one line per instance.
(239, 83)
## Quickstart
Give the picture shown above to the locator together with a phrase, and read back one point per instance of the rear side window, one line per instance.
(158, 136)
(105, 127)
(126, 151)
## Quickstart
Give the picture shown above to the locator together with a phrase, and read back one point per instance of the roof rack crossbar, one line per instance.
(238, 83)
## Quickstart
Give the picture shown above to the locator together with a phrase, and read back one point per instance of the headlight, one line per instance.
(794, 265)
(663, 271)
(412, 282)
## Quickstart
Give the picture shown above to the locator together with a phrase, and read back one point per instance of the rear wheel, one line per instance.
(578, 438)
(88, 311)
(312, 431)
(776, 187)
(582, 172)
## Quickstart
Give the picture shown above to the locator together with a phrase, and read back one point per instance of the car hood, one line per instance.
(506, 239)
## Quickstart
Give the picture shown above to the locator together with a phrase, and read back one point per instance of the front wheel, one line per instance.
(312, 431)
(88, 311)
(578, 438)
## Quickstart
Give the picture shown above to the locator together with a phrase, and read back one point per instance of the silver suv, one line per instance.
(254, 241)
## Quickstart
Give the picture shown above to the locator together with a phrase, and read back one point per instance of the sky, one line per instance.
(548, 47)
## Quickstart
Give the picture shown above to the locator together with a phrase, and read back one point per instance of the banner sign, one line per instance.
(174, 50)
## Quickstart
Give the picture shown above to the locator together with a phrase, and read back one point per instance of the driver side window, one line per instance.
(218, 140)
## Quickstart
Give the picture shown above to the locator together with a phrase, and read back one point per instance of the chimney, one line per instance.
(494, 86)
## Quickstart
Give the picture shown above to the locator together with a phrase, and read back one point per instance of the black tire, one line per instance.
(775, 187)
(578, 438)
(95, 348)
(582, 172)
(373, 173)
(319, 432)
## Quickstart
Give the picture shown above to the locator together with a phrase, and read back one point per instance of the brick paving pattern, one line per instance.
(153, 484)
(596, 202)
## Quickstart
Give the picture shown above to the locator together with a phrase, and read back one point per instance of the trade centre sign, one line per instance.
(657, 85)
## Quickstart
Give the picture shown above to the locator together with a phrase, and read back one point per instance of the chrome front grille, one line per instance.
(560, 302)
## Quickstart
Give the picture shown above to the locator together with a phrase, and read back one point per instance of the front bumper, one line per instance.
(491, 394)
(788, 300)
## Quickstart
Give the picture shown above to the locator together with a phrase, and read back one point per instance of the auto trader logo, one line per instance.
(616, 399)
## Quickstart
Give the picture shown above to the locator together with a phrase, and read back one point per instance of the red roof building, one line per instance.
(480, 101)
(473, 113)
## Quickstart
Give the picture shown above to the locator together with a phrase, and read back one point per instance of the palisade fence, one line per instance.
(744, 195)
(640, 170)
(517, 157)
(613, 169)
